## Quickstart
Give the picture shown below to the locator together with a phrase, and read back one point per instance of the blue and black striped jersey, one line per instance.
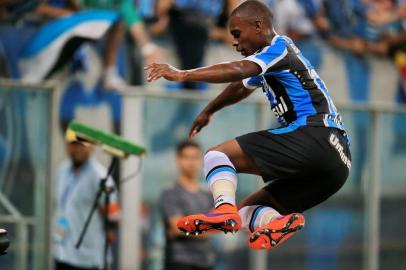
(297, 95)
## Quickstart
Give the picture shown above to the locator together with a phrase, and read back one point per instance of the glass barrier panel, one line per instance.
(24, 176)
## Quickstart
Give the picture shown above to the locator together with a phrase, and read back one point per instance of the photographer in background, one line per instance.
(78, 181)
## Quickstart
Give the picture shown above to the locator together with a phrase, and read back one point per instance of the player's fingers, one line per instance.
(150, 76)
(162, 72)
(197, 129)
(193, 133)
(155, 74)
(150, 66)
(151, 73)
(194, 130)
(158, 76)
(157, 70)
(154, 77)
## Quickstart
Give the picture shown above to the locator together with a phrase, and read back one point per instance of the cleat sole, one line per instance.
(201, 226)
(270, 238)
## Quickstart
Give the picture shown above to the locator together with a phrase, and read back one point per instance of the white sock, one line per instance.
(255, 216)
(221, 177)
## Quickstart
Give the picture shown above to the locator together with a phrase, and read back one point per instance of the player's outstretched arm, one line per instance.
(233, 93)
(219, 73)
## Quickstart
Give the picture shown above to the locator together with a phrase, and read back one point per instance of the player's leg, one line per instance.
(268, 221)
(304, 166)
(273, 214)
(221, 165)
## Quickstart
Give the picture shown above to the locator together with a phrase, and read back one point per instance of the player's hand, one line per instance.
(201, 121)
(169, 72)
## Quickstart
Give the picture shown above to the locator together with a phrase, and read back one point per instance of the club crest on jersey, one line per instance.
(334, 141)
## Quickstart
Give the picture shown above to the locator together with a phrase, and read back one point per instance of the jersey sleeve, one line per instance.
(252, 82)
(271, 56)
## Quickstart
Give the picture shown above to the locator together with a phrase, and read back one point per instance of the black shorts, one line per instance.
(302, 167)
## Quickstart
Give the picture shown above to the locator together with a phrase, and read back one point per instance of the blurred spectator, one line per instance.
(219, 31)
(348, 25)
(347, 31)
(78, 181)
(184, 198)
(130, 19)
(53, 9)
(12, 10)
(296, 19)
(190, 22)
(388, 19)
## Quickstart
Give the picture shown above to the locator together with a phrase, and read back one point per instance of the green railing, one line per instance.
(25, 172)
(359, 228)
(359, 242)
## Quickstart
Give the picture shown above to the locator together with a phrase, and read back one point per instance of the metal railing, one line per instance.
(22, 244)
(373, 189)
(134, 99)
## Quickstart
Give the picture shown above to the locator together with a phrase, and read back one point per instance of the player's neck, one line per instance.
(189, 183)
(269, 37)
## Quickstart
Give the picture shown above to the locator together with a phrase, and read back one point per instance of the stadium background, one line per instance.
(361, 227)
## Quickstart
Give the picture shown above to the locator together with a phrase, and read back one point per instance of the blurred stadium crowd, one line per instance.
(356, 27)
(95, 49)
(43, 39)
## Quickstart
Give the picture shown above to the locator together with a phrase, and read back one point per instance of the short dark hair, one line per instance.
(186, 143)
(254, 10)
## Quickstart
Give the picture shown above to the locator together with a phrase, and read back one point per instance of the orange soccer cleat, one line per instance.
(224, 218)
(276, 232)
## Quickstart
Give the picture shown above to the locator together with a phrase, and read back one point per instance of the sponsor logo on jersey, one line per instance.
(336, 119)
(280, 107)
(334, 141)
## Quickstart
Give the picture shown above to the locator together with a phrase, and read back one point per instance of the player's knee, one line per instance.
(215, 148)
(214, 158)
(217, 166)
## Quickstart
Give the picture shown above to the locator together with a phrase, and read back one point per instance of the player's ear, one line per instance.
(258, 27)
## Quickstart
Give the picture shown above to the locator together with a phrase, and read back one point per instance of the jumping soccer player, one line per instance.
(303, 162)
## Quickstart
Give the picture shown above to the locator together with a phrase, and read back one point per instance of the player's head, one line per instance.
(251, 26)
(78, 152)
(189, 158)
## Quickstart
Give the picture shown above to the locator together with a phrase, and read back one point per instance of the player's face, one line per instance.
(246, 38)
(189, 161)
(78, 152)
